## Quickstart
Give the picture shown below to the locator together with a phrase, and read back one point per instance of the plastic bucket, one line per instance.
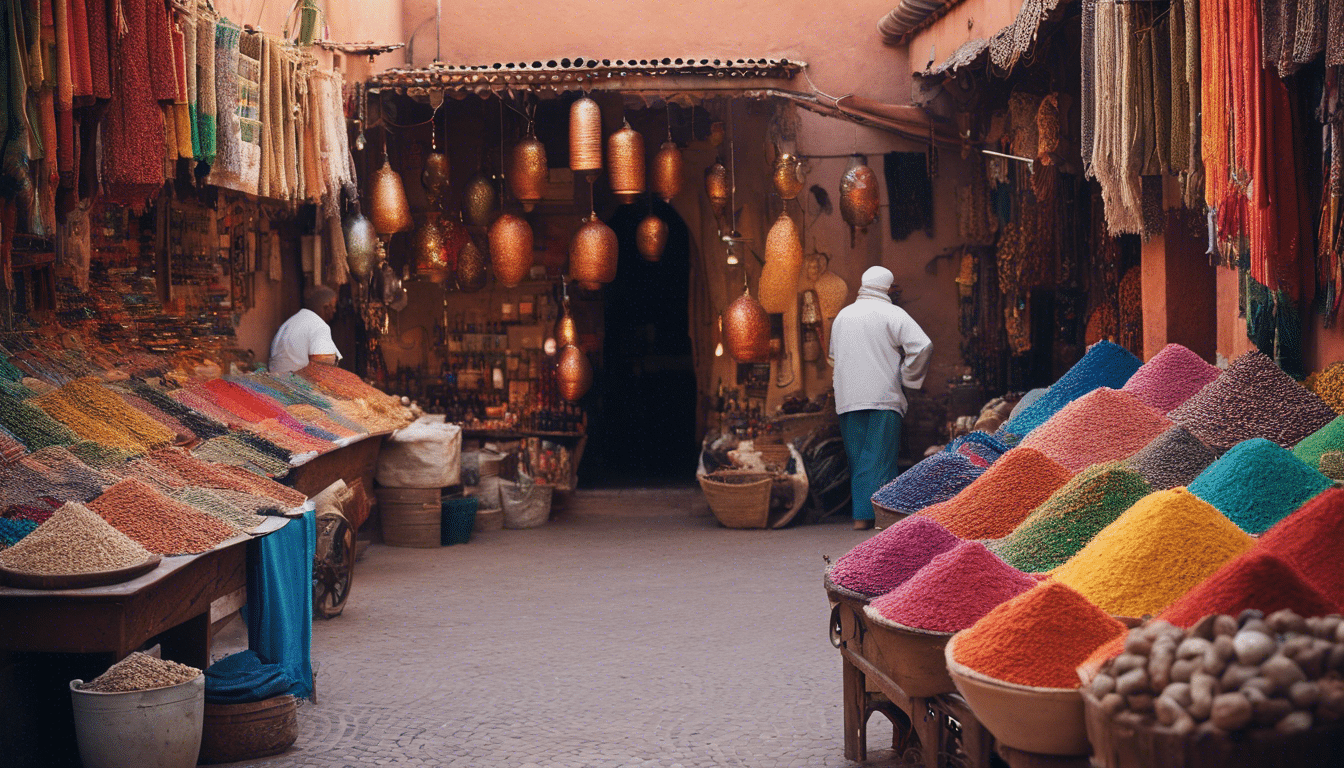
(459, 518)
(159, 728)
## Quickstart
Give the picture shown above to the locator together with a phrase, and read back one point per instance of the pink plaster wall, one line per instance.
(346, 20)
(970, 20)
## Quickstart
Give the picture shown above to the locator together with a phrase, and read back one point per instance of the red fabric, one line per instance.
(98, 46)
(133, 130)
(80, 68)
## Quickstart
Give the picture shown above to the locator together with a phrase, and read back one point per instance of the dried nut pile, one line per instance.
(73, 540)
(1227, 674)
(141, 672)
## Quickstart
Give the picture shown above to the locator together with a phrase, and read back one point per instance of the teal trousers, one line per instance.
(873, 444)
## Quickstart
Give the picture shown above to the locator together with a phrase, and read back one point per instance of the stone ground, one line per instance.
(631, 630)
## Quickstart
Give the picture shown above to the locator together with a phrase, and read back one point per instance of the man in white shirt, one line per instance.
(876, 347)
(306, 338)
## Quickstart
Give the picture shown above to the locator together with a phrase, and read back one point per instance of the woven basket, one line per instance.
(775, 455)
(738, 499)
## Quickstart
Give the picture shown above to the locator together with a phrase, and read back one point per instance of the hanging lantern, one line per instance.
(718, 187)
(783, 265)
(593, 253)
(361, 245)
(746, 330)
(859, 196)
(434, 178)
(716, 133)
(667, 171)
(788, 176)
(585, 136)
(573, 373)
(430, 250)
(455, 238)
(478, 201)
(471, 272)
(510, 249)
(391, 212)
(651, 237)
(527, 171)
(625, 151)
(567, 331)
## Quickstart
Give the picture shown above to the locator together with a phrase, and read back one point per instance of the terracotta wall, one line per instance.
(970, 20)
(346, 21)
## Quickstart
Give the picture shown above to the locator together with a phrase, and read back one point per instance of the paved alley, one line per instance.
(630, 631)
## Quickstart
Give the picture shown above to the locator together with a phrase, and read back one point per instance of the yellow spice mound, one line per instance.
(1158, 550)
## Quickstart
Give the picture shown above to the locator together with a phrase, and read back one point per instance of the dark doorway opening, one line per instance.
(642, 405)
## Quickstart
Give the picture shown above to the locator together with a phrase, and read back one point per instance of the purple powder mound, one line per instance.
(1173, 376)
(883, 562)
(954, 590)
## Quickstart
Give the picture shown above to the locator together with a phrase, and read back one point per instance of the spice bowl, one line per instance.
(1047, 721)
(913, 658)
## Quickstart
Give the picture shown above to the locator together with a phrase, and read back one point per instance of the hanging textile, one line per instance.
(1330, 237)
(909, 193)
(280, 599)
(99, 69)
(187, 23)
(1116, 159)
(181, 126)
(228, 164)
(207, 95)
(1334, 33)
(133, 129)
(250, 137)
(1088, 93)
(338, 271)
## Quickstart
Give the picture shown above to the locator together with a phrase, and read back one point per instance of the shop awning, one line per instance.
(1006, 47)
(903, 21)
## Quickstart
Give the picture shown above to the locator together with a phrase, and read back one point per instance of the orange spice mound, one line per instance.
(1000, 499)
(160, 524)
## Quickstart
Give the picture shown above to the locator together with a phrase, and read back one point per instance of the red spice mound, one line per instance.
(1312, 541)
(999, 500)
(884, 561)
(1037, 638)
(1256, 579)
(1173, 376)
(954, 590)
(208, 475)
(1103, 425)
(160, 524)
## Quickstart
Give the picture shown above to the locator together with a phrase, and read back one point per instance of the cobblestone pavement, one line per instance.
(631, 630)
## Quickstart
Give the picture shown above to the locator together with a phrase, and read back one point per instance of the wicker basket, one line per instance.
(739, 499)
(775, 455)
(234, 732)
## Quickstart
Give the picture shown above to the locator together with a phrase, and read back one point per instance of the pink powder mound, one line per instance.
(954, 590)
(1173, 376)
(883, 562)
(1103, 425)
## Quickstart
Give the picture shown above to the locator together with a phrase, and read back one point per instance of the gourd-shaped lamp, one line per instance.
(593, 253)
(430, 249)
(788, 176)
(585, 136)
(573, 373)
(625, 155)
(746, 330)
(478, 200)
(668, 170)
(361, 245)
(527, 171)
(783, 265)
(434, 178)
(859, 196)
(391, 213)
(718, 188)
(471, 271)
(510, 249)
(651, 237)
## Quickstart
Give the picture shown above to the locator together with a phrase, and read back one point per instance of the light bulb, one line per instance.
(548, 346)
(732, 259)
(718, 351)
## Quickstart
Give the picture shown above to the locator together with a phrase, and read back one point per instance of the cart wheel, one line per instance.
(334, 566)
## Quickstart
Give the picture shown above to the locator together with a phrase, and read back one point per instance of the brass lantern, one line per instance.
(783, 265)
(361, 245)
(510, 249)
(390, 211)
(667, 171)
(478, 200)
(567, 331)
(651, 237)
(593, 253)
(573, 373)
(788, 176)
(434, 178)
(527, 171)
(718, 187)
(746, 330)
(585, 136)
(430, 249)
(625, 153)
(859, 196)
(471, 272)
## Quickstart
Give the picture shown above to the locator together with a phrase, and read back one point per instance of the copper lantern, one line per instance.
(783, 265)
(510, 249)
(746, 330)
(593, 253)
(625, 155)
(527, 171)
(859, 196)
(788, 176)
(567, 331)
(478, 200)
(585, 136)
(430, 249)
(718, 188)
(667, 171)
(361, 245)
(434, 178)
(471, 272)
(651, 237)
(390, 211)
(573, 373)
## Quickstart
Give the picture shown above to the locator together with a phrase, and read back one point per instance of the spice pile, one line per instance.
(218, 507)
(32, 425)
(993, 505)
(937, 478)
(886, 560)
(1322, 441)
(1253, 398)
(1256, 580)
(1257, 484)
(1105, 365)
(1071, 517)
(234, 451)
(1156, 551)
(13, 529)
(1329, 386)
(978, 445)
(195, 471)
(141, 672)
(73, 540)
(160, 524)
(1173, 376)
(1175, 458)
(1228, 674)
(968, 580)
(1037, 638)
(1311, 540)
(1103, 425)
